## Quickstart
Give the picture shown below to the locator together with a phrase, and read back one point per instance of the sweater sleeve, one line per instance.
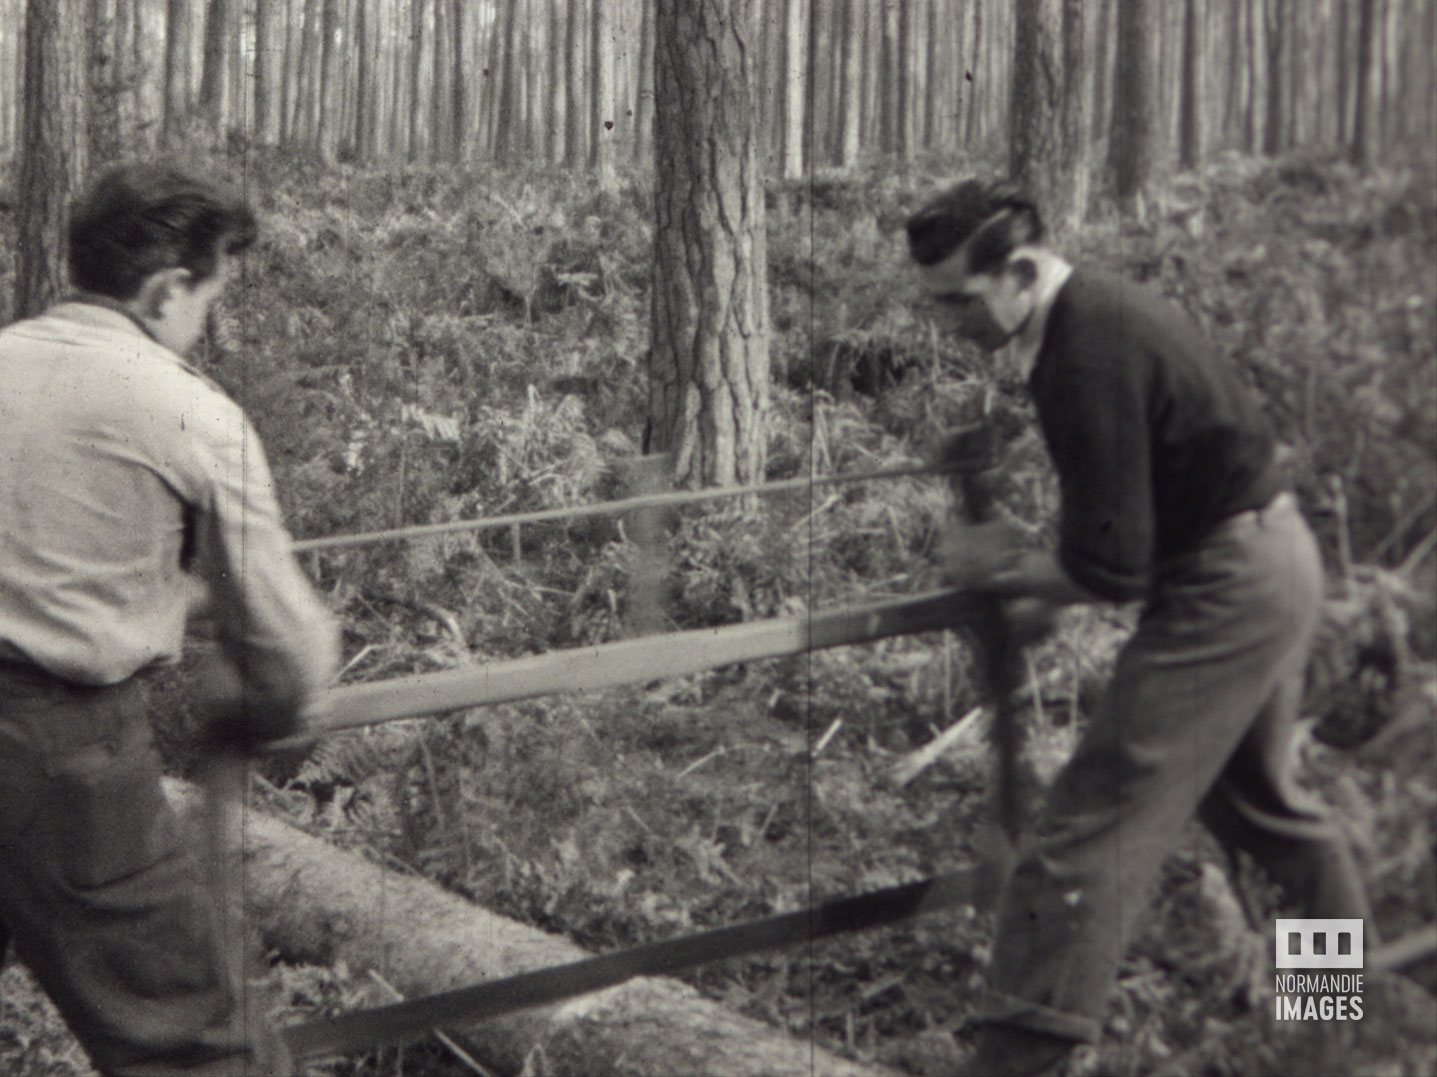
(1091, 395)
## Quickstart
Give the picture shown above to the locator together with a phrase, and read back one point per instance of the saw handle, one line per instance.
(974, 454)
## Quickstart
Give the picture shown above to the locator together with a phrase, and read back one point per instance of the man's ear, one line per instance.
(1024, 270)
(158, 289)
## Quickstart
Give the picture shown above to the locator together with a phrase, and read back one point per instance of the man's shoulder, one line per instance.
(1101, 309)
(1100, 292)
(95, 358)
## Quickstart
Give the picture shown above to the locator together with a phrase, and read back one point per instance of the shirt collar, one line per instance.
(1053, 273)
(103, 312)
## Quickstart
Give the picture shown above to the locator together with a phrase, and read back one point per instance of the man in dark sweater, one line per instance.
(1171, 496)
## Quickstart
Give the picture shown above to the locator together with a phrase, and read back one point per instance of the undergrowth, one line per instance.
(423, 346)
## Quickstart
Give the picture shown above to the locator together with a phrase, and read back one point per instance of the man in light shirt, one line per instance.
(125, 475)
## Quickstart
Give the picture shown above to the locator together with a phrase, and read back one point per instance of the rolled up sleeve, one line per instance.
(270, 622)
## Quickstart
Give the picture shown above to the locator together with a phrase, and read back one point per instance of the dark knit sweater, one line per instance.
(1154, 438)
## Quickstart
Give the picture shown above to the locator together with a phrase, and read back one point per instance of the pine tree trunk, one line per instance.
(1074, 157)
(361, 130)
(177, 67)
(1362, 150)
(53, 147)
(1046, 152)
(10, 27)
(889, 79)
(709, 361)
(601, 96)
(328, 88)
(212, 77)
(459, 114)
(1102, 112)
(902, 85)
(261, 128)
(286, 89)
(791, 116)
(1235, 57)
(105, 89)
(439, 137)
(508, 115)
(644, 105)
(850, 85)
(416, 84)
(1274, 126)
(128, 65)
(1190, 134)
(975, 89)
(574, 113)
(1130, 145)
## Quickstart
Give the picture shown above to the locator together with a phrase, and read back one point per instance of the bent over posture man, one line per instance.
(122, 470)
(1171, 496)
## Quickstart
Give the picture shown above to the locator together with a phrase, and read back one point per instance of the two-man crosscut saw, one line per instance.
(401, 1022)
(607, 665)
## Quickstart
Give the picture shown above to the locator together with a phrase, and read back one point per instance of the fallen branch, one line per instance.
(963, 731)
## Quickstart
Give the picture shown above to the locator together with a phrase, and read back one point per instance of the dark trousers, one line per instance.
(102, 892)
(1198, 720)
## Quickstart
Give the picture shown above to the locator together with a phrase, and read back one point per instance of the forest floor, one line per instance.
(419, 346)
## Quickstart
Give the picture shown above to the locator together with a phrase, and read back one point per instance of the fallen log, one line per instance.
(314, 902)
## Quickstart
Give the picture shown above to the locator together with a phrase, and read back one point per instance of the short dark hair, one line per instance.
(997, 216)
(138, 219)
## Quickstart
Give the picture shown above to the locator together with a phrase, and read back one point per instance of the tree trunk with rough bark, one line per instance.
(106, 75)
(709, 363)
(53, 147)
(1047, 135)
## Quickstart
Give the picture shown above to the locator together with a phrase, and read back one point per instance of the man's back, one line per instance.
(122, 465)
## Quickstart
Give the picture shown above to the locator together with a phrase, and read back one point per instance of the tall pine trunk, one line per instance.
(177, 68)
(1130, 143)
(709, 361)
(53, 147)
(1190, 132)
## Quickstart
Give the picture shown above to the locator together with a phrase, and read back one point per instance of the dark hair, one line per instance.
(997, 217)
(138, 219)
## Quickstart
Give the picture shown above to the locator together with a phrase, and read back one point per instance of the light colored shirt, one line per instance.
(124, 474)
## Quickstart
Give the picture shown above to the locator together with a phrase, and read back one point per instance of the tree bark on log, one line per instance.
(314, 902)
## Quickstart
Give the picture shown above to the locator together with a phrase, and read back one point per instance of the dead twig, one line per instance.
(916, 762)
(454, 1048)
(721, 750)
(833, 727)
(1417, 555)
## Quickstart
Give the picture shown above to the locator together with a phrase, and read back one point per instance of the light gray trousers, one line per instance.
(1198, 720)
